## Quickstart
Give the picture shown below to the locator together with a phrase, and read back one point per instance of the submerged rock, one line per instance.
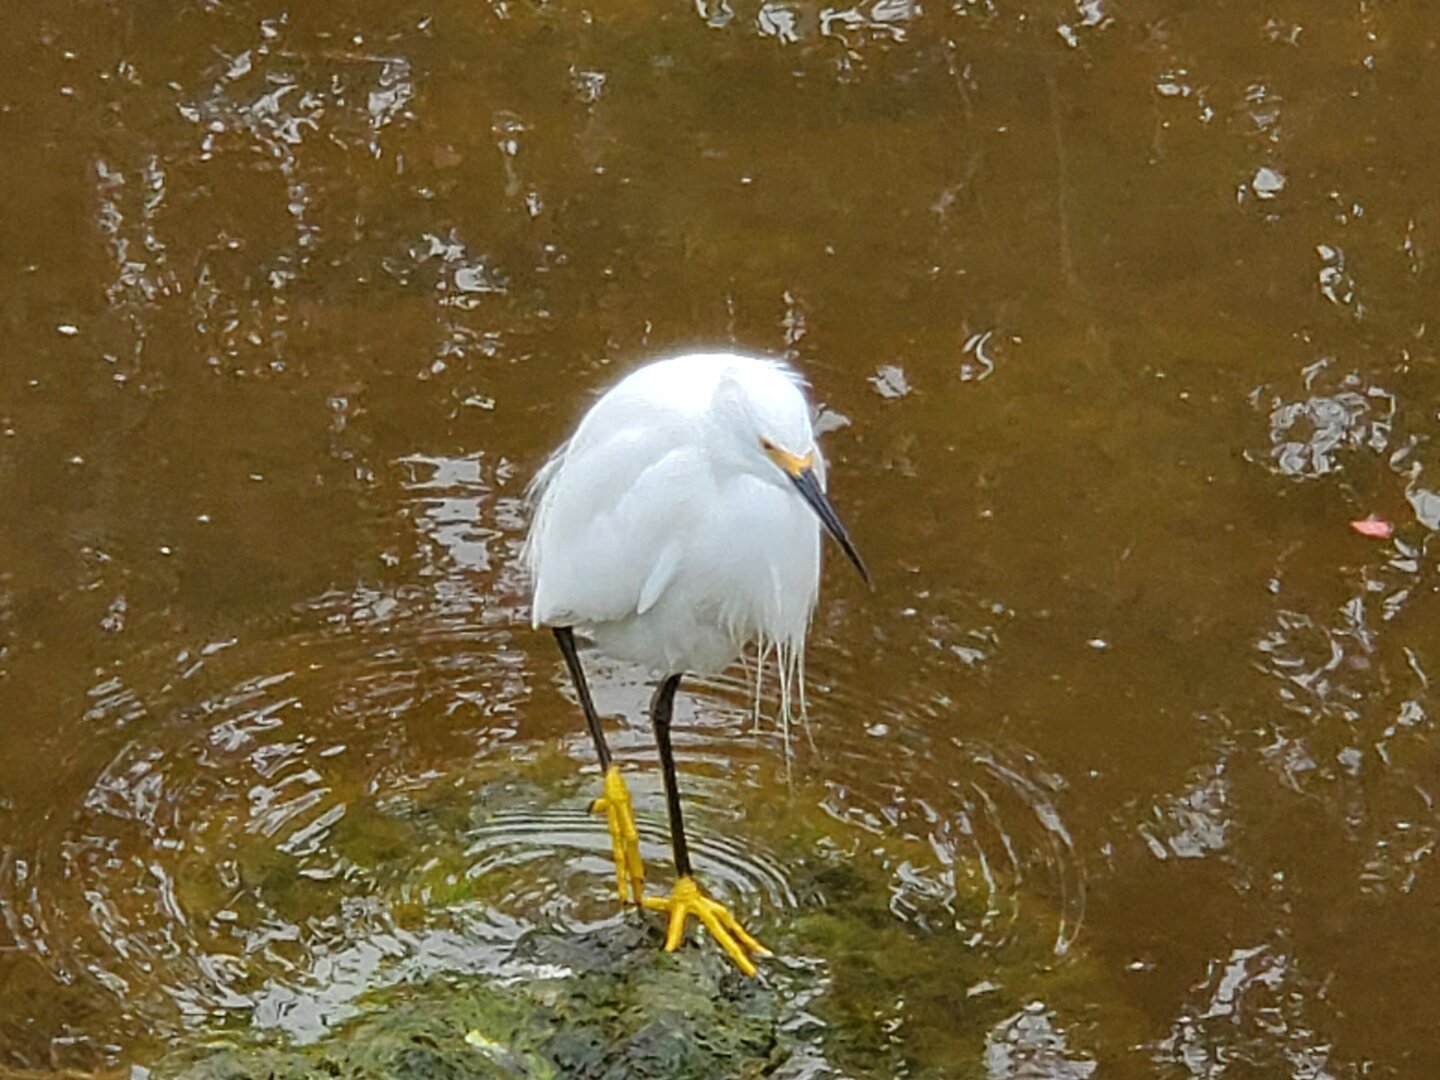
(491, 948)
(606, 1003)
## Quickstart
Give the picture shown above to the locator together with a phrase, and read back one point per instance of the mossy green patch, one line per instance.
(601, 1004)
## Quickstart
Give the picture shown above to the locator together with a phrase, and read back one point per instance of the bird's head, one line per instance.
(769, 418)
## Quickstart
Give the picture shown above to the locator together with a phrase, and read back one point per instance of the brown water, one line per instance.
(1120, 314)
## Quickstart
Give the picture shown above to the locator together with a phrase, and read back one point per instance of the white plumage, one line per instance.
(670, 528)
(680, 523)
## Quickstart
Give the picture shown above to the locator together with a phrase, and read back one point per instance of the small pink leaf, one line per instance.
(1374, 527)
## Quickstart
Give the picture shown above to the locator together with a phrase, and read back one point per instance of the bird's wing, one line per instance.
(661, 573)
(609, 525)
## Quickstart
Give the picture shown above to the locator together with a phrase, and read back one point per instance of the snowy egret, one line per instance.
(679, 524)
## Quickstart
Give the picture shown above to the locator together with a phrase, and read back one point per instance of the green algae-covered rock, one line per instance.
(603, 1004)
(871, 978)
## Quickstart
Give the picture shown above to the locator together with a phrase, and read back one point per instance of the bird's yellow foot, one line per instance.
(624, 839)
(687, 900)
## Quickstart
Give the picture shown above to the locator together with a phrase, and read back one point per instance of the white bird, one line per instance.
(678, 525)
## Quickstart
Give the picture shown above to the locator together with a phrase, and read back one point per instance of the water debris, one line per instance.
(1374, 527)
(890, 382)
(1267, 183)
(982, 366)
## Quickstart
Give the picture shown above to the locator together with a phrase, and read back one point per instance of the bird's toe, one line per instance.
(687, 899)
(624, 837)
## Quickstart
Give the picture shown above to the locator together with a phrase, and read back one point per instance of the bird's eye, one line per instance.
(766, 444)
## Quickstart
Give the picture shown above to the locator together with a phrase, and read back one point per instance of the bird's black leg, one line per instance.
(565, 638)
(661, 708)
(615, 802)
(687, 898)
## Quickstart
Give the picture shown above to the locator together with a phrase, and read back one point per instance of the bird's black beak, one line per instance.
(808, 485)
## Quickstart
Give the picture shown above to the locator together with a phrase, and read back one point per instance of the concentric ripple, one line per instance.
(373, 813)
(970, 832)
(270, 850)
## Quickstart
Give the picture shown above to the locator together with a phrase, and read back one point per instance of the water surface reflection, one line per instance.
(1118, 316)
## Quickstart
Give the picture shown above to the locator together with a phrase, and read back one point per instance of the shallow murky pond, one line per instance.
(1118, 315)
